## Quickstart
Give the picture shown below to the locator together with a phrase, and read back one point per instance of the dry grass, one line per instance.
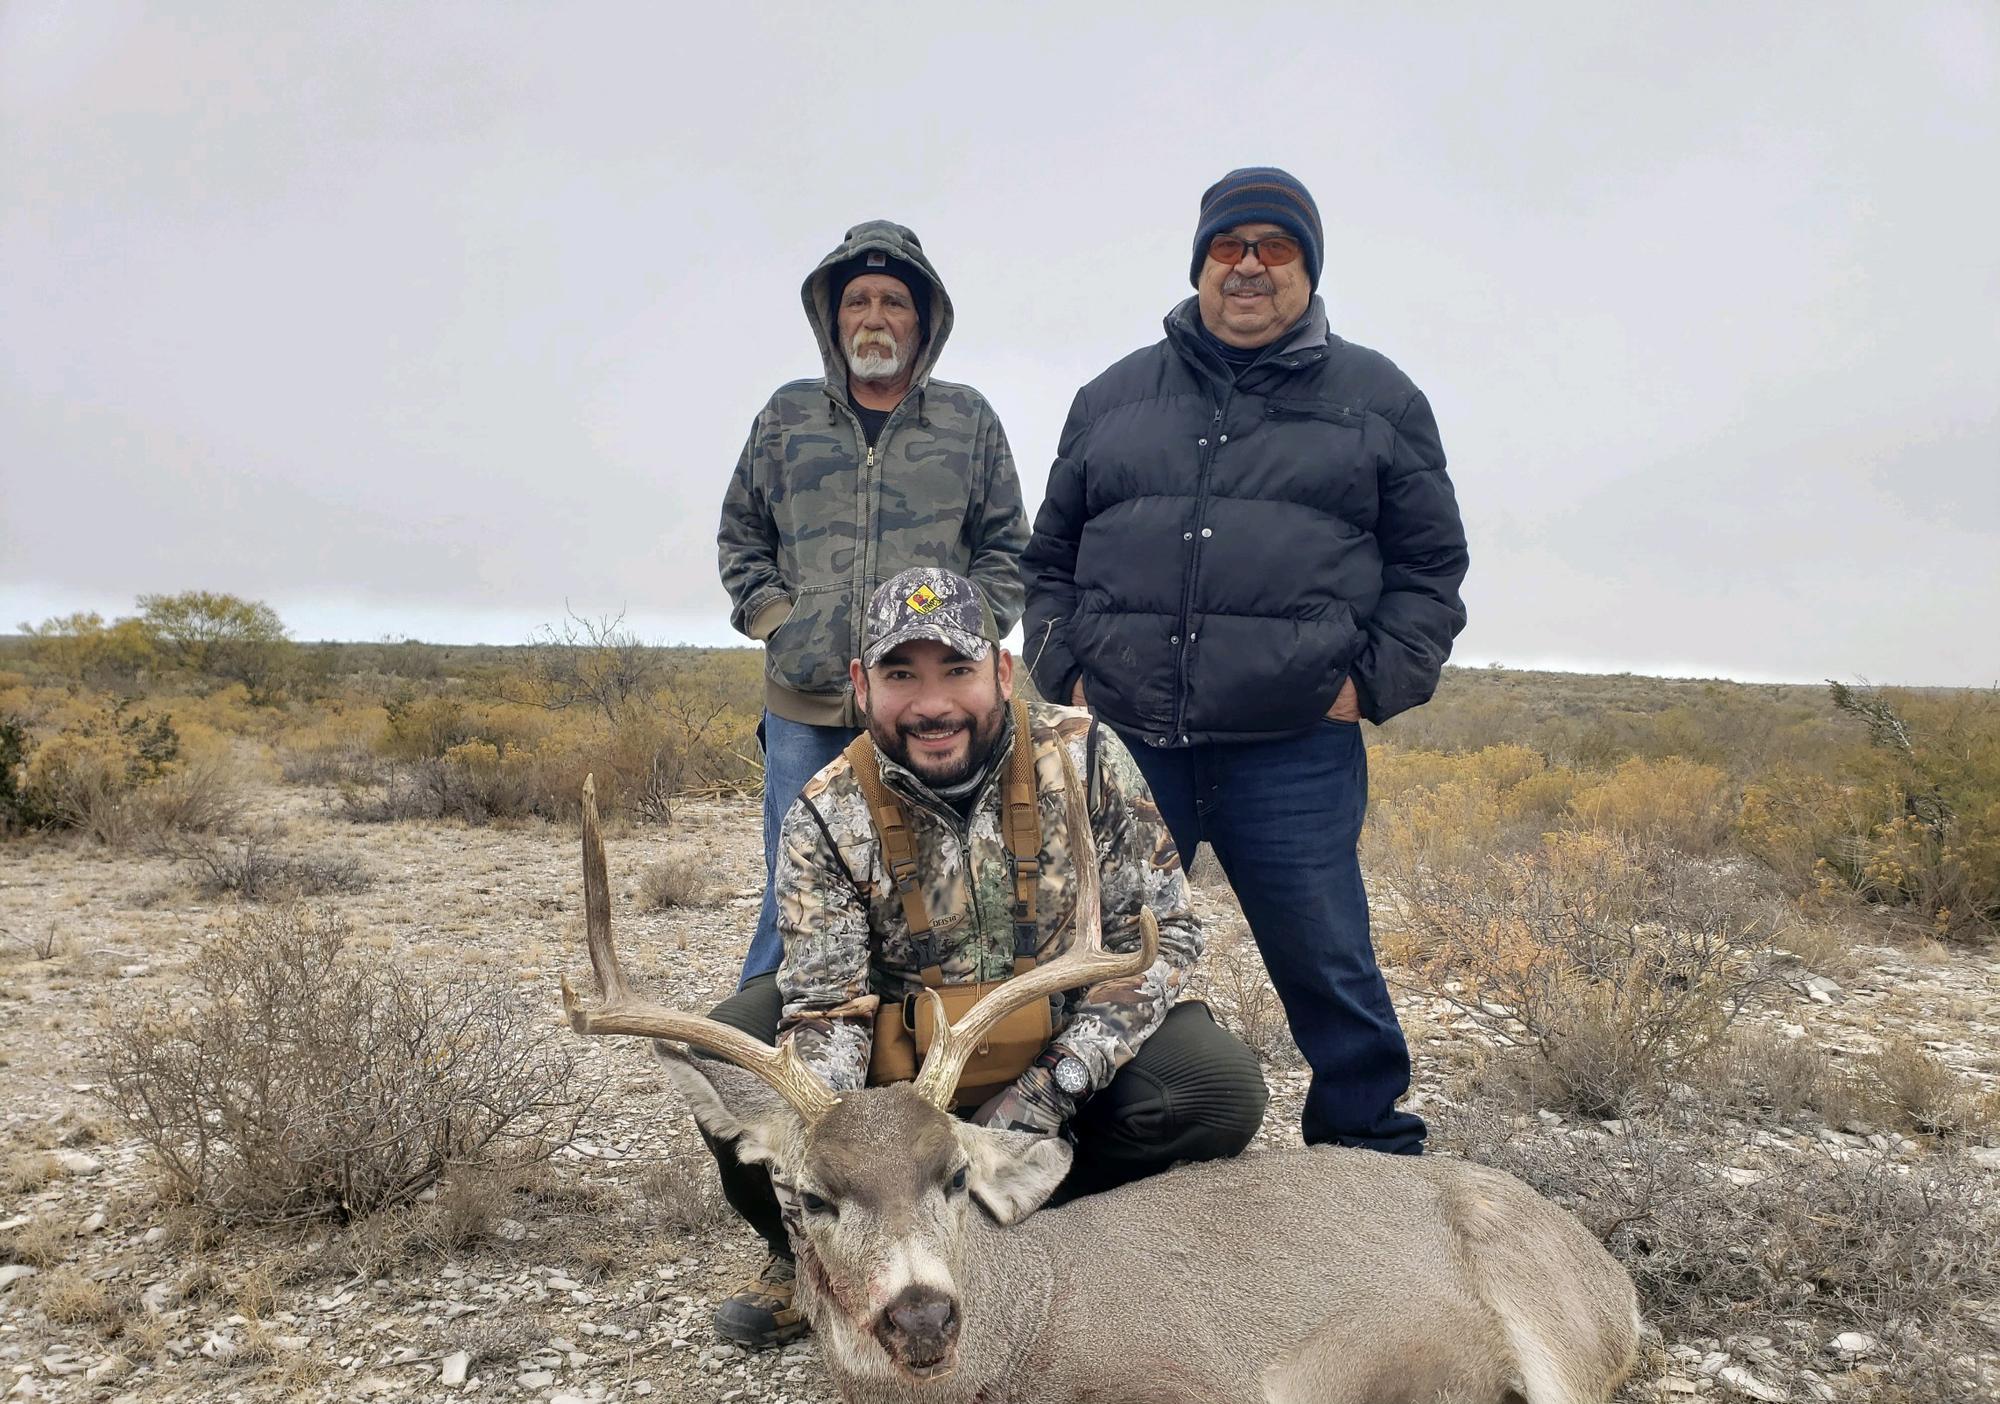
(683, 876)
(255, 1293)
(1767, 1075)
(29, 1170)
(39, 1244)
(251, 868)
(593, 1261)
(501, 1340)
(1920, 1093)
(1824, 948)
(684, 1195)
(1777, 1265)
(68, 1297)
(145, 1337)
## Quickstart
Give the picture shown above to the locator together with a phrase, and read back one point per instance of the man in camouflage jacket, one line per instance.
(845, 480)
(1152, 1081)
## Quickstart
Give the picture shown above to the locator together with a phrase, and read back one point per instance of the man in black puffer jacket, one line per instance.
(1249, 544)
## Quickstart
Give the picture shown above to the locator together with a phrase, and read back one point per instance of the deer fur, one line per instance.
(1314, 1275)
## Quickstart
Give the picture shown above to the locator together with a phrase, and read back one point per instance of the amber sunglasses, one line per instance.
(1273, 250)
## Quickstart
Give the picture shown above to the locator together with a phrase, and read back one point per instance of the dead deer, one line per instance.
(1316, 1275)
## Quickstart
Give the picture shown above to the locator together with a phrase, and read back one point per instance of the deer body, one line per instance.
(1308, 1276)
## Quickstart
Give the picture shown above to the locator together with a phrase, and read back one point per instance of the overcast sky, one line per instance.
(427, 319)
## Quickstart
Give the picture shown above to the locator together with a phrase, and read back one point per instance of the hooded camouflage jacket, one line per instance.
(847, 944)
(814, 518)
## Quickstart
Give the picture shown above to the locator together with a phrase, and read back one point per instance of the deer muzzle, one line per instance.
(919, 1330)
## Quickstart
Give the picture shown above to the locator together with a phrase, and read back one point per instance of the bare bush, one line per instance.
(51, 943)
(1618, 965)
(197, 797)
(684, 1193)
(1779, 1260)
(1917, 1090)
(1241, 990)
(587, 662)
(252, 869)
(1765, 1074)
(681, 877)
(305, 1084)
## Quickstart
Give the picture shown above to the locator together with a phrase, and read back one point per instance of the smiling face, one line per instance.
(1248, 303)
(934, 711)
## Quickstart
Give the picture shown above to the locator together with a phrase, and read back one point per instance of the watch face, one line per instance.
(1071, 1075)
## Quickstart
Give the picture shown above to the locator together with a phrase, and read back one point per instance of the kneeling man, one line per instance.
(933, 853)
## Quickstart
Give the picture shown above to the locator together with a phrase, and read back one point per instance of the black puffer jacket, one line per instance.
(1217, 554)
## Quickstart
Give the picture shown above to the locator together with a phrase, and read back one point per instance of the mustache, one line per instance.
(867, 341)
(1237, 282)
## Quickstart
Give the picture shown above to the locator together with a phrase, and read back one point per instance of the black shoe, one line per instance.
(761, 1313)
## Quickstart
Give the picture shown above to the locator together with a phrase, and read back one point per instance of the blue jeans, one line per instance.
(793, 754)
(1284, 819)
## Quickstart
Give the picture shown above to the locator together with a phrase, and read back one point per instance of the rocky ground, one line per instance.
(600, 1289)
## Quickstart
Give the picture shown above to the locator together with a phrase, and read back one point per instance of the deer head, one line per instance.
(883, 1191)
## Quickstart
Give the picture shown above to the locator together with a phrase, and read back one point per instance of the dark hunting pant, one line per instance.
(1193, 1092)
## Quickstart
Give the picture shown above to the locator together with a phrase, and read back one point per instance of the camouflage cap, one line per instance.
(925, 602)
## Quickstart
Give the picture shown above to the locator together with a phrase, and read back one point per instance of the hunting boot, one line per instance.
(761, 1313)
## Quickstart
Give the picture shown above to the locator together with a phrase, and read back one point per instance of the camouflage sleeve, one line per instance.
(1138, 865)
(829, 1014)
(1000, 530)
(747, 541)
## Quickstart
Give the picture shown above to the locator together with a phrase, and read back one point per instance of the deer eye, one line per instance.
(957, 1185)
(813, 1204)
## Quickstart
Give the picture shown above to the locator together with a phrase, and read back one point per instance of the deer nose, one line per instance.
(924, 1314)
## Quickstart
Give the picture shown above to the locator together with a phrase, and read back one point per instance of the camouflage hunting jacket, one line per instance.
(848, 946)
(814, 518)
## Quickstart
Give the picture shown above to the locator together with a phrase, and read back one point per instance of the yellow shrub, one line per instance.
(1541, 796)
(1682, 804)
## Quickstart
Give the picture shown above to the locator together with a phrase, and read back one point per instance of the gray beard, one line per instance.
(875, 366)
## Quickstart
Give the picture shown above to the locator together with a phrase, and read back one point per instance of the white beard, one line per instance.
(875, 363)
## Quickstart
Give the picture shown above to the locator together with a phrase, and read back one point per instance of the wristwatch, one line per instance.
(1066, 1068)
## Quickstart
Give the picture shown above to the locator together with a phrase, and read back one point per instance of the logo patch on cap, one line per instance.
(877, 259)
(924, 600)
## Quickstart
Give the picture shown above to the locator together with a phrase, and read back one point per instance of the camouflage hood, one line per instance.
(898, 242)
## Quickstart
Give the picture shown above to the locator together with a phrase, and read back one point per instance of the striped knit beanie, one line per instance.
(1258, 195)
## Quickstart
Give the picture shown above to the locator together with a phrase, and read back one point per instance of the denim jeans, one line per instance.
(793, 754)
(1284, 818)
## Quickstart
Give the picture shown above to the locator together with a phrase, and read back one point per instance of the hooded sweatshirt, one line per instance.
(815, 518)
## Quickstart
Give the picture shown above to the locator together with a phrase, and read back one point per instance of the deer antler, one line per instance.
(1086, 962)
(783, 1068)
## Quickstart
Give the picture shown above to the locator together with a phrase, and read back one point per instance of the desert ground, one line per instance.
(601, 1289)
(1710, 965)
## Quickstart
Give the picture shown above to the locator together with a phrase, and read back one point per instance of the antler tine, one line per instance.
(783, 1068)
(1086, 962)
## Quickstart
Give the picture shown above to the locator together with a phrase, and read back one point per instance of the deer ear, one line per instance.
(1012, 1173)
(731, 1104)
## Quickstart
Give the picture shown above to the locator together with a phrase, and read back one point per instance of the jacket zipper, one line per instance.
(866, 560)
(1203, 463)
